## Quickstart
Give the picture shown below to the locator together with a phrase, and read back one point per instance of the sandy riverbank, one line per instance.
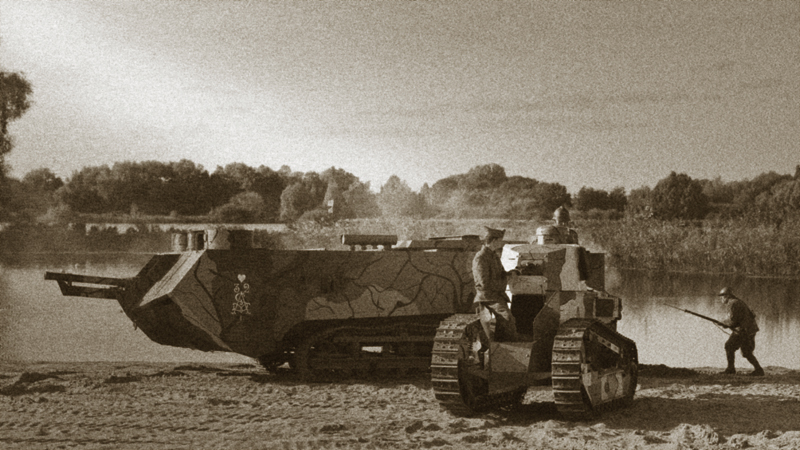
(176, 406)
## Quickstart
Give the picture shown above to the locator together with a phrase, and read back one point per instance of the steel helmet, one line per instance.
(725, 292)
(561, 215)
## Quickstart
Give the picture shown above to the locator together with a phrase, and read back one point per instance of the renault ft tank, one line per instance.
(375, 304)
(568, 339)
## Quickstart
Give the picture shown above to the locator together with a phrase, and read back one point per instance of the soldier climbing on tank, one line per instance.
(490, 288)
(742, 322)
(561, 217)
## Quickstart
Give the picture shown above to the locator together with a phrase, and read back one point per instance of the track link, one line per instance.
(586, 351)
(456, 367)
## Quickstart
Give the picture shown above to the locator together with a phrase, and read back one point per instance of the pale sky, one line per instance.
(598, 94)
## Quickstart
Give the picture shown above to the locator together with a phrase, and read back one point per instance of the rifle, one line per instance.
(715, 321)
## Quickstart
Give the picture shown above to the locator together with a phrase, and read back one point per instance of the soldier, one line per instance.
(742, 322)
(561, 217)
(490, 287)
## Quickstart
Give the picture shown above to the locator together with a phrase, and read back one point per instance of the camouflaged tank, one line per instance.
(375, 304)
(567, 339)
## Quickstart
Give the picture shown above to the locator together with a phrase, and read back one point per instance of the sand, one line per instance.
(226, 406)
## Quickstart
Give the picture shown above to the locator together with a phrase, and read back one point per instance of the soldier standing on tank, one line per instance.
(742, 322)
(561, 217)
(490, 288)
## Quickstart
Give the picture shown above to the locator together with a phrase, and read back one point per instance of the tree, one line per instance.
(589, 198)
(487, 176)
(295, 200)
(14, 92)
(550, 196)
(34, 195)
(43, 180)
(360, 201)
(639, 202)
(617, 200)
(441, 191)
(679, 197)
(781, 203)
(748, 192)
(396, 199)
(269, 184)
(86, 190)
(247, 207)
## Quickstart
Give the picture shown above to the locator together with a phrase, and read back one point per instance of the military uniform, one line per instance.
(742, 322)
(568, 235)
(490, 293)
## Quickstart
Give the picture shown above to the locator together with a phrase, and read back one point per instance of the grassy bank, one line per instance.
(709, 247)
(717, 247)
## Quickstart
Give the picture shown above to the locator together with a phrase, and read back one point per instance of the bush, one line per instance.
(247, 207)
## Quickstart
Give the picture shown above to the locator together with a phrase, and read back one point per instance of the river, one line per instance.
(38, 324)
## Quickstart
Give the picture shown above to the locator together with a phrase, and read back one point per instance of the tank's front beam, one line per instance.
(95, 287)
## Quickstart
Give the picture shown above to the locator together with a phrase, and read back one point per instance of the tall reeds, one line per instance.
(735, 247)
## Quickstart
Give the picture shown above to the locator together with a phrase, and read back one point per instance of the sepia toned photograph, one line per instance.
(410, 224)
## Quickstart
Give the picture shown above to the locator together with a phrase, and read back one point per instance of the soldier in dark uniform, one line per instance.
(490, 288)
(561, 218)
(742, 322)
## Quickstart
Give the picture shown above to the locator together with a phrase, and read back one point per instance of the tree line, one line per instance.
(240, 193)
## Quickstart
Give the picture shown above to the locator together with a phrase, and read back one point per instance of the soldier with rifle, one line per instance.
(742, 322)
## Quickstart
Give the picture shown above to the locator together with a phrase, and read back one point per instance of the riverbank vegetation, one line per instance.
(715, 246)
(748, 227)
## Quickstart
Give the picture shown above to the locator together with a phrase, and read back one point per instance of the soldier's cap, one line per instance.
(725, 292)
(494, 233)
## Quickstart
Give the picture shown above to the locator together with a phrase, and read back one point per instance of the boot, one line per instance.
(758, 371)
(731, 370)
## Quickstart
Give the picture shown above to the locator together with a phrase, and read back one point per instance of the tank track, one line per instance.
(587, 349)
(337, 351)
(457, 388)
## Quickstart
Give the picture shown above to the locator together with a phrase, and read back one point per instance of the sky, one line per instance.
(597, 94)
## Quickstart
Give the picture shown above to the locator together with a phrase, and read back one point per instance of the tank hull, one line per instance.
(259, 302)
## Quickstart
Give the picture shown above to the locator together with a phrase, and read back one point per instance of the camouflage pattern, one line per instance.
(256, 301)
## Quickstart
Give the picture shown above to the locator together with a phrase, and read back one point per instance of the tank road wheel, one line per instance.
(309, 356)
(594, 369)
(272, 362)
(459, 382)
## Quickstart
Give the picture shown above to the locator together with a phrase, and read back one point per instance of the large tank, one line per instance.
(375, 304)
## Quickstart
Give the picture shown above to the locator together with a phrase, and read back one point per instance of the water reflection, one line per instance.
(668, 336)
(38, 323)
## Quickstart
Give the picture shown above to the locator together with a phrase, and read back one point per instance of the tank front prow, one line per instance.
(74, 285)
